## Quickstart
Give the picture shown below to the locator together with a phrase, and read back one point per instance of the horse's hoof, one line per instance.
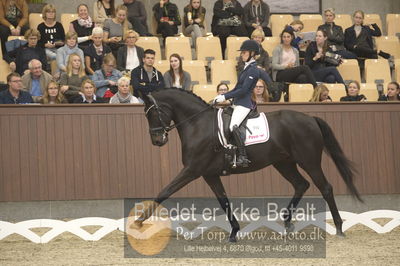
(232, 239)
(340, 235)
(136, 225)
(289, 227)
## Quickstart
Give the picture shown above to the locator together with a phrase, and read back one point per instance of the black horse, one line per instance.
(296, 139)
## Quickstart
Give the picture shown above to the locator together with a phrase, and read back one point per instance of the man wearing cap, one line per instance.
(241, 94)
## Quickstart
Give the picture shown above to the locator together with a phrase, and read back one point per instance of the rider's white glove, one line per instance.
(219, 99)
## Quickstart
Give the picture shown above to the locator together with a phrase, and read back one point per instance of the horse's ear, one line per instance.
(145, 98)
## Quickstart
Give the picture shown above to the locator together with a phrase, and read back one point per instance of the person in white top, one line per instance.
(130, 56)
(124, 94)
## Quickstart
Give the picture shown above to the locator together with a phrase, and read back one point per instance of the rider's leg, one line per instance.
(239, 114)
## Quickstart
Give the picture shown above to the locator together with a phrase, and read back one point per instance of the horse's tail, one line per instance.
(344, 165)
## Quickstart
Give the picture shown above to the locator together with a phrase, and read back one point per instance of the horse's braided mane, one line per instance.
(187, 92)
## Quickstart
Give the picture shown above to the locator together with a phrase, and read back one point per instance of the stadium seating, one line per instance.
(370, 91)
(206, 92)
(223, 71)
(392, 24)
(389, 44)
(232, 46)
(4, 70)
(397, 70)
(336, 91)
(179, 45)
(300, 92)
(377, 69)
(150, 43)
(373, 18)
(278, 23)
(311, 22)
(343, 20)
(350, 70)
(197, 71)
(162, 65)
(34, 20)
(270, 43)
(208, 48)
(66, 19)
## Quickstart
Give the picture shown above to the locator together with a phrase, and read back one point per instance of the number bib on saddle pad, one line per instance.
(256, 129)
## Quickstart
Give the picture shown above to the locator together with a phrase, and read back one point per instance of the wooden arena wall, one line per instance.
(72, 152)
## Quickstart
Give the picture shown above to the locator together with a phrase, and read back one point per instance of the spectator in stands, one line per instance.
(52, 94)
(260, 92)
(83, 26)
(263, 58)
(285, 62)
(358, 38)
(321, 94)
(70, 47)
(193, 20)
(87, 95)
(176, 77)
(15, 93)
(353, 93)
(72, 79)
(335, 35)
(36, 80)
(137, 16)
(130, 56)
(168, 18)
(51, 32)
(146, 78)
(13, 20)
(20, 57)
(319, 59)
(256, 16)
(95, 52)
(102, 10)
(115, 28)
(124, 94)
(222, 88)
(106, 78)
(227, 20)
(393, 93)
(297, 26)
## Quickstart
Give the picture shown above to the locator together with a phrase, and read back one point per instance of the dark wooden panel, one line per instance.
(100, 152)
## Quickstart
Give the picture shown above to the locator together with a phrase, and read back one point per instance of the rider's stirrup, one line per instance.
(241, 159)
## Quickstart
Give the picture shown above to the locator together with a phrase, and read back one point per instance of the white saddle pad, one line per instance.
(258, 126)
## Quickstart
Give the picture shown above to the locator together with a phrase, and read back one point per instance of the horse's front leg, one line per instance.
(215, 183)
(184, 177)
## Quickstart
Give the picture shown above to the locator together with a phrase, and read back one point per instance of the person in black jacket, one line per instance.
(20, 57)
(146, 78)
(353, 93)
(167, 16)
(88, 93)
(130, 55)
(316, 58)
(15, 93)
(256, 16)
(358, 38)
(83, 26)
(393, 93)
(95, 52)
(335, 35)
(227, 20)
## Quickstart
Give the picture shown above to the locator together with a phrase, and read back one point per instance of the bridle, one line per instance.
(164, 129)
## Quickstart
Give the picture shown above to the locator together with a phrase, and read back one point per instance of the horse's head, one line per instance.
(159, 117)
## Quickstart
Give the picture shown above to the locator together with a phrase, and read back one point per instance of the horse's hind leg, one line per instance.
(214, 182)
(326, 190)
(289, 171)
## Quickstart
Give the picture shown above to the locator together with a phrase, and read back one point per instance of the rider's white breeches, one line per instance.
(239, 114)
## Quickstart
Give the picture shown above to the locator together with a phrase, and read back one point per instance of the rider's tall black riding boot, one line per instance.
(242, 156)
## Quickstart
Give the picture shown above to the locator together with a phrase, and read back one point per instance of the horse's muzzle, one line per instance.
(159, 140)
